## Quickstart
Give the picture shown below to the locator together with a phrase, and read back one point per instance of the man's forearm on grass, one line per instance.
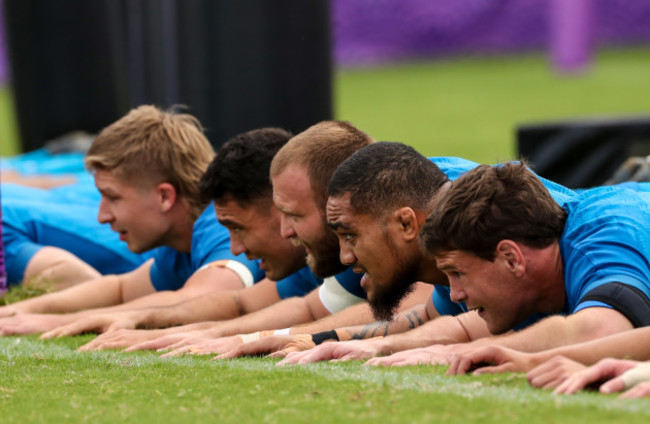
(102, 292)
(289, 312)
(403, 322)
(369, 328)
(633, 344)
(442, 330)
(212, 307)
(353, 315)
(556, 331)
(359, 315)
(161, 300)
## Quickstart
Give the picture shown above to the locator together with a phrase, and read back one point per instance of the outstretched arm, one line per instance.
(133, 292)
(102, 292)
(212, 306)
(295, 310)
(442, 330)
(203, 281)
(555, 331)
(240, 345)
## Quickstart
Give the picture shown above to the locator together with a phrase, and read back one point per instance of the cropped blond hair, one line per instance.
(151, 146)
(320, 149)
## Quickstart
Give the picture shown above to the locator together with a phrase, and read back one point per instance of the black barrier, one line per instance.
(583, 153)
(237, 65)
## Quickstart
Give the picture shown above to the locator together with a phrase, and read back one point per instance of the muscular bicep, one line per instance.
(214, 277)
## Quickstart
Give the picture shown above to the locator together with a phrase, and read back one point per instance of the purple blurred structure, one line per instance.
(571, 34)
(374, 31)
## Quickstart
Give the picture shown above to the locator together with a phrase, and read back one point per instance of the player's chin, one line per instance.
(497, 328)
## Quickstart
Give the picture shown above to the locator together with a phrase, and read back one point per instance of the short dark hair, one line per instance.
(386, 175)
(241, 168)
(489, 204)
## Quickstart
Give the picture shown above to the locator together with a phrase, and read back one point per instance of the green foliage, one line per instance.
(9, 141)
(48, 381)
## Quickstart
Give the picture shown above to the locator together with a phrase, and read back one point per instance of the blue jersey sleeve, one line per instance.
(606, 241)
(210, 244)
(443, 303)
(298, 284)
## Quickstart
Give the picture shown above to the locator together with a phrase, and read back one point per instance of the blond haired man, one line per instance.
(147, 167)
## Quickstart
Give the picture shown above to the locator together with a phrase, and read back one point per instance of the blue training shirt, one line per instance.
(210, 243)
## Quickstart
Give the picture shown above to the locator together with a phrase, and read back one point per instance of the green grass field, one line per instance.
(50, 382)
(467, 107)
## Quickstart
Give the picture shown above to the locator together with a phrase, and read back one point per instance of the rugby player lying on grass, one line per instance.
(379, 199)
(254, 225)
(147, 167)
(52, 239)
(533, 260)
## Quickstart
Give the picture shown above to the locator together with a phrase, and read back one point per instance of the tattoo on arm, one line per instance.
(371, 330)
(414, 319)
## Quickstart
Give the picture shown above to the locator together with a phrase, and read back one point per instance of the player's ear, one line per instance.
(511, 256)
(166, 196)
(407, 222)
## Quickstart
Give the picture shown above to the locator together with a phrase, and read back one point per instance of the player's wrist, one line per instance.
(381, 345)
(324, 336)
(251, 337)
